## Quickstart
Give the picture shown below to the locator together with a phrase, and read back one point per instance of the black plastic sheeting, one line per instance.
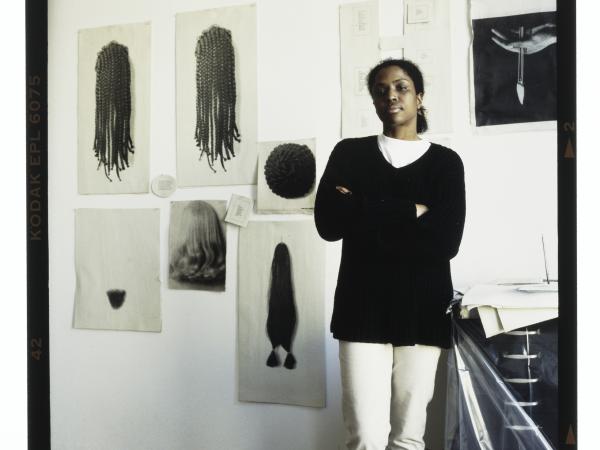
(503, 390)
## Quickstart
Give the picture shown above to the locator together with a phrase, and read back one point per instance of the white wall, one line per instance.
(177, 389)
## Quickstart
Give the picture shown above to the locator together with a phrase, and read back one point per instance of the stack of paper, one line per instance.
(508, 306)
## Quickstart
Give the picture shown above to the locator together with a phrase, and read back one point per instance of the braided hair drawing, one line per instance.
(215, 96)
(112, 140)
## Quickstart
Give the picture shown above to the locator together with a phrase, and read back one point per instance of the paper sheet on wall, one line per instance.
(513, 65)
(427, 43)
(275, 377)
(203, 169)
(92, 176)
(376, 30)
(286, 176)
(359, 51)
(117, 269)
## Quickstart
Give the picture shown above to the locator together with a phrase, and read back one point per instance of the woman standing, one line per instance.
(398, 203)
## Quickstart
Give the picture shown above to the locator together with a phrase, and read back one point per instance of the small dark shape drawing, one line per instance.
(215, 96)
(112, 139)
(199, 249)
(281, 320)
(116, 297)
(290, 170)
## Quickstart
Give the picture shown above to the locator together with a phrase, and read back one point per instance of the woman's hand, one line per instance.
(343, 190)
(421, 209)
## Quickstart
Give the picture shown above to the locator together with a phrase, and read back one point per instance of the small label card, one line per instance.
(239, 210)
(163, 186)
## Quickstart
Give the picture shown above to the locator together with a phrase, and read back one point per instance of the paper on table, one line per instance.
(490, 321)
(508, 297)
(512, 318)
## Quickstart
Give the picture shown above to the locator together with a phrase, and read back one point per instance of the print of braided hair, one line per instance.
(112, 141)
(215, 96)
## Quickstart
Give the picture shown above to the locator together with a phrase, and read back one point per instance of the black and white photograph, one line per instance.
(216, 96)
(197, 245)
(113, 151)
(318, 240)
(514, 68)
(117, 269)
(286, 176)
(281, 350)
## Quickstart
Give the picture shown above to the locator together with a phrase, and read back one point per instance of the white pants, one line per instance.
(385, 393)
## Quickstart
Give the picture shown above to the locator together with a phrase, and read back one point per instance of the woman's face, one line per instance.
(395, 98)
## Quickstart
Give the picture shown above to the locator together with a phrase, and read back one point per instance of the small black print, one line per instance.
(282, 317)
(290, 170)
(116, 297)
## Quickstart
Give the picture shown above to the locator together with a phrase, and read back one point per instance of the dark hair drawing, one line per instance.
(112, 140)
(116, 297)
(198, 247)
(413, 71)
(290, 170)
(215, 96)
(281, 320)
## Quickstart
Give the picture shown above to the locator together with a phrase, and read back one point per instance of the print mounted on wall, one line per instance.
(117, 269)
(281, 338)
(286, 176)
(514, 67)
(197, 245)
(113, 109)
(513, 64)
(216, 96)
(359, 51)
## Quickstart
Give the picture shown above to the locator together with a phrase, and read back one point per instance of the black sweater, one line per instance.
(394, 282)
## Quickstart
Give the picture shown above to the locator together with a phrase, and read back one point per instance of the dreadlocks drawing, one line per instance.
(215, 96)
(112, 141)
(281, 320)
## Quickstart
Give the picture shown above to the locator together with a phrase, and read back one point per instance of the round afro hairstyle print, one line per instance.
(290, 170)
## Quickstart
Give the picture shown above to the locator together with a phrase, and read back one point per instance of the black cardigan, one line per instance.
(394, 281)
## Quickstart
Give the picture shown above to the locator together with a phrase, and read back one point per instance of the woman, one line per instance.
(398, 203)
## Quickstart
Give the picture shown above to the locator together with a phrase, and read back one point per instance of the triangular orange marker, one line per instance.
(569, 152)
(570, 436)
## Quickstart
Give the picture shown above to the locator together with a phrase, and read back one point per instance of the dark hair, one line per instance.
(112, 136)
(282, 317)
(198, 248)
(290, 170)
(215, 96)
(413, 71)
